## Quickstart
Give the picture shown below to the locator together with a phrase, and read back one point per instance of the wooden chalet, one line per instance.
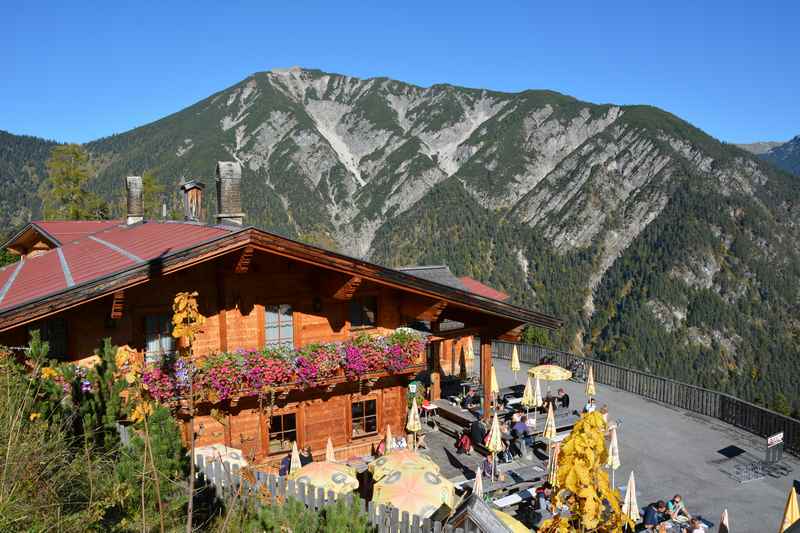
(79, 282)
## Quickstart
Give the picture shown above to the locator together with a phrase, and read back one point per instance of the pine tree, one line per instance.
(65, 194)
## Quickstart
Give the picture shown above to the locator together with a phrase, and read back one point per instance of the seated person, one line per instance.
(477, 432)
(676, 508)
(285, 465)
(654, 514)
(563, 398)
(520, 427)
(542, 506)
(590, 406)
(488, 467)
(470, 399)
(306, 456)
(516, 416)
(695, 526)
(464, 443)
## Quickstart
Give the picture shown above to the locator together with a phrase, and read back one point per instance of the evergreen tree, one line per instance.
(65, 194)
(152, 191)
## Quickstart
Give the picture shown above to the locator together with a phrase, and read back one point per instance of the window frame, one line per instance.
(363, 417)
(162, 334)
(296, 415)
(360, 301)
(264, 340)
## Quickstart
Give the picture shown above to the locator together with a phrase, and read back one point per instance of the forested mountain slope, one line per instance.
(662, 247)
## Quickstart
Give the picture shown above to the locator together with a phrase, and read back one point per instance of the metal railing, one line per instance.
(750, 417)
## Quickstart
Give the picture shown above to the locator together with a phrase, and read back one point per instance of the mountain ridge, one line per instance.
(561, 203)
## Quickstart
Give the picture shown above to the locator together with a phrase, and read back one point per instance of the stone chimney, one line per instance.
(135, 189)
(229, 193)
(193, 200)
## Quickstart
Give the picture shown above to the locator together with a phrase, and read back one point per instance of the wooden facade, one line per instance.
(244, 281)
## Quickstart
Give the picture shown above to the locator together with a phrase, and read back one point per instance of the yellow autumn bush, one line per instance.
(582, 484)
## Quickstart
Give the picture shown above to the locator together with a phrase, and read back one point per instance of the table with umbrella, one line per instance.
(401, 460)
(329, 476)
(419, 492)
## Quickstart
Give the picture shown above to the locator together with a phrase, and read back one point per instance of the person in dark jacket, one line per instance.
(477, 432)
(286, 465)
(563, 398)
(306, 456)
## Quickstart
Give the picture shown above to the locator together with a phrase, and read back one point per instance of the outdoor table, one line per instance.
(513, 499)
(430, 410)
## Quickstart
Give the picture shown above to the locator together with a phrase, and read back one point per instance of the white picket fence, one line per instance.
(226, 479)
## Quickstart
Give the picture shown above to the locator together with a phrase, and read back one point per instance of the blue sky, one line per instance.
(76, 73)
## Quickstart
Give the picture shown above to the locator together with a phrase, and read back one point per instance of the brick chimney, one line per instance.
(229, 197)
(193, 200)
(135, 190)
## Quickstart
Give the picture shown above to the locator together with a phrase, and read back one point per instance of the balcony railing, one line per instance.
(750, 417)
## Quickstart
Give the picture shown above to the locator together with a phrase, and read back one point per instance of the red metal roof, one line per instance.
(113, 247)
(475, 286)
(70, 230)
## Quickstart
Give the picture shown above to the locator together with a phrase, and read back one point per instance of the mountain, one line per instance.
(21, 170)
(662, 247)
(785, 156)
(759, 148)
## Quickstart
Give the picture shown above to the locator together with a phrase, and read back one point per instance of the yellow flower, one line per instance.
(142, 410)
(48, 373)
(34, 416)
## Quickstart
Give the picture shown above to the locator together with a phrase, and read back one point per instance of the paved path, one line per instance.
(674, 451)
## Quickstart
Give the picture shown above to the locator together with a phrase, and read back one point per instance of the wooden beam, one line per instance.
(486, 372)
(512, 335)
(118, 305)
(341, 287)
(419, 308)
(453, 334)
(243, 263)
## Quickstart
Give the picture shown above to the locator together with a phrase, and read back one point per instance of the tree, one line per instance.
(65, 194)
(582, 483)
(537, 336)
(151, 195)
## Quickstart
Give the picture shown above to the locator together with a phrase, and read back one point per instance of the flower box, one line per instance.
(243, 373)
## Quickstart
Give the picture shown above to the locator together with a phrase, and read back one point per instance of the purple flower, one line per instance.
(86, 386)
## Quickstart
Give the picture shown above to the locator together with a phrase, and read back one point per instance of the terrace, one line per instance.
(670, 450)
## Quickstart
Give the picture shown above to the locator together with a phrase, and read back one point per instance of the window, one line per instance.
(363, 311)
(54, 332)
(278, 325)
(364, 415)
(282, 432)
(158, 337)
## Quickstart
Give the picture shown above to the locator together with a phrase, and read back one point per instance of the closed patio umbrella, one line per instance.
(792, 512)
(495, 443)
(389, 440)
(420, 492)
(590, 388)
(613, 454)
(630, 507)
(477, 486)
(493, 385)
(515, 363)
(552, 468)
(414, 425)
(330, 455)
(527, 399)
(295, 464)
(341, 479)
(469, 357)
(723, 523)
(549, 431)
(537, 398)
